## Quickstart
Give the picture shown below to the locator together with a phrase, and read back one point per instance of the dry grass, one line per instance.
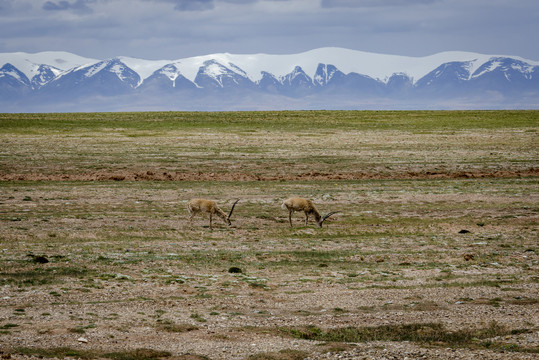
(117, 263)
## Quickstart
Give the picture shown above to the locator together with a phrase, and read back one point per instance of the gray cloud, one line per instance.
(193, 5)
(202, 5)
(172, 29)
(245, 1)
(14, 7)
(372, 3)
(78, 6)
(6, 5)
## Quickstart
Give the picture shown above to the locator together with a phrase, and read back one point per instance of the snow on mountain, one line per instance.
(13, 72)
(170, 71)
(113, 66)
(45, 73)
(95, 69)
(59, 61)
(495, 63)
(377, 66)
(145, 68)
(321, 78)
(325, 73)
(215, 75)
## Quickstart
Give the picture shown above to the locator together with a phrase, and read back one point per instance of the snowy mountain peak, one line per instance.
(377, 66)
(29, 63)
(171, 71)
(324, 74)
(8, 70)
(334, 72)
(113, 66)
(45, 74)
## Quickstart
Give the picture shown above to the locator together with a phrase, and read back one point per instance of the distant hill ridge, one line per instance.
(326, 78)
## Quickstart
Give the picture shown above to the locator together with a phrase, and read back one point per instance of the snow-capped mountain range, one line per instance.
(330, 78)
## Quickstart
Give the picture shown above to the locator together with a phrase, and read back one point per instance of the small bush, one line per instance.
(281, 355)
(177, 328)
(137, 354)
(423, 332)
(62, 352)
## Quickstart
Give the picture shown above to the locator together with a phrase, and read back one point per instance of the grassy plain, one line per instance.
(434, 252)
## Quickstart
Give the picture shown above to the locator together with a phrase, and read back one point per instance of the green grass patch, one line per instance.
(172, 327)
(42, 276)
(424, 333)
(432, 333)
(63, 352)
(155, 123)
(286, 354)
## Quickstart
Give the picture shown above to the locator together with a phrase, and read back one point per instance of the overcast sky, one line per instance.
(174, 29)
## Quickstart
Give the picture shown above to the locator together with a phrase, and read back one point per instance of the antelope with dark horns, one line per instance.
(196, 206)
(307, 206)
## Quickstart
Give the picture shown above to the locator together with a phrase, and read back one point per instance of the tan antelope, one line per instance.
(307, 206)
(196, 206)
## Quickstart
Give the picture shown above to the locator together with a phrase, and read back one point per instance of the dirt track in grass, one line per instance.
(175, 176)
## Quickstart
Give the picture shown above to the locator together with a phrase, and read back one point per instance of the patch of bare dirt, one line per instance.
(210, 176)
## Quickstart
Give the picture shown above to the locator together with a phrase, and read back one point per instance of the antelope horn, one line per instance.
(233, 205)
(328, 215)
